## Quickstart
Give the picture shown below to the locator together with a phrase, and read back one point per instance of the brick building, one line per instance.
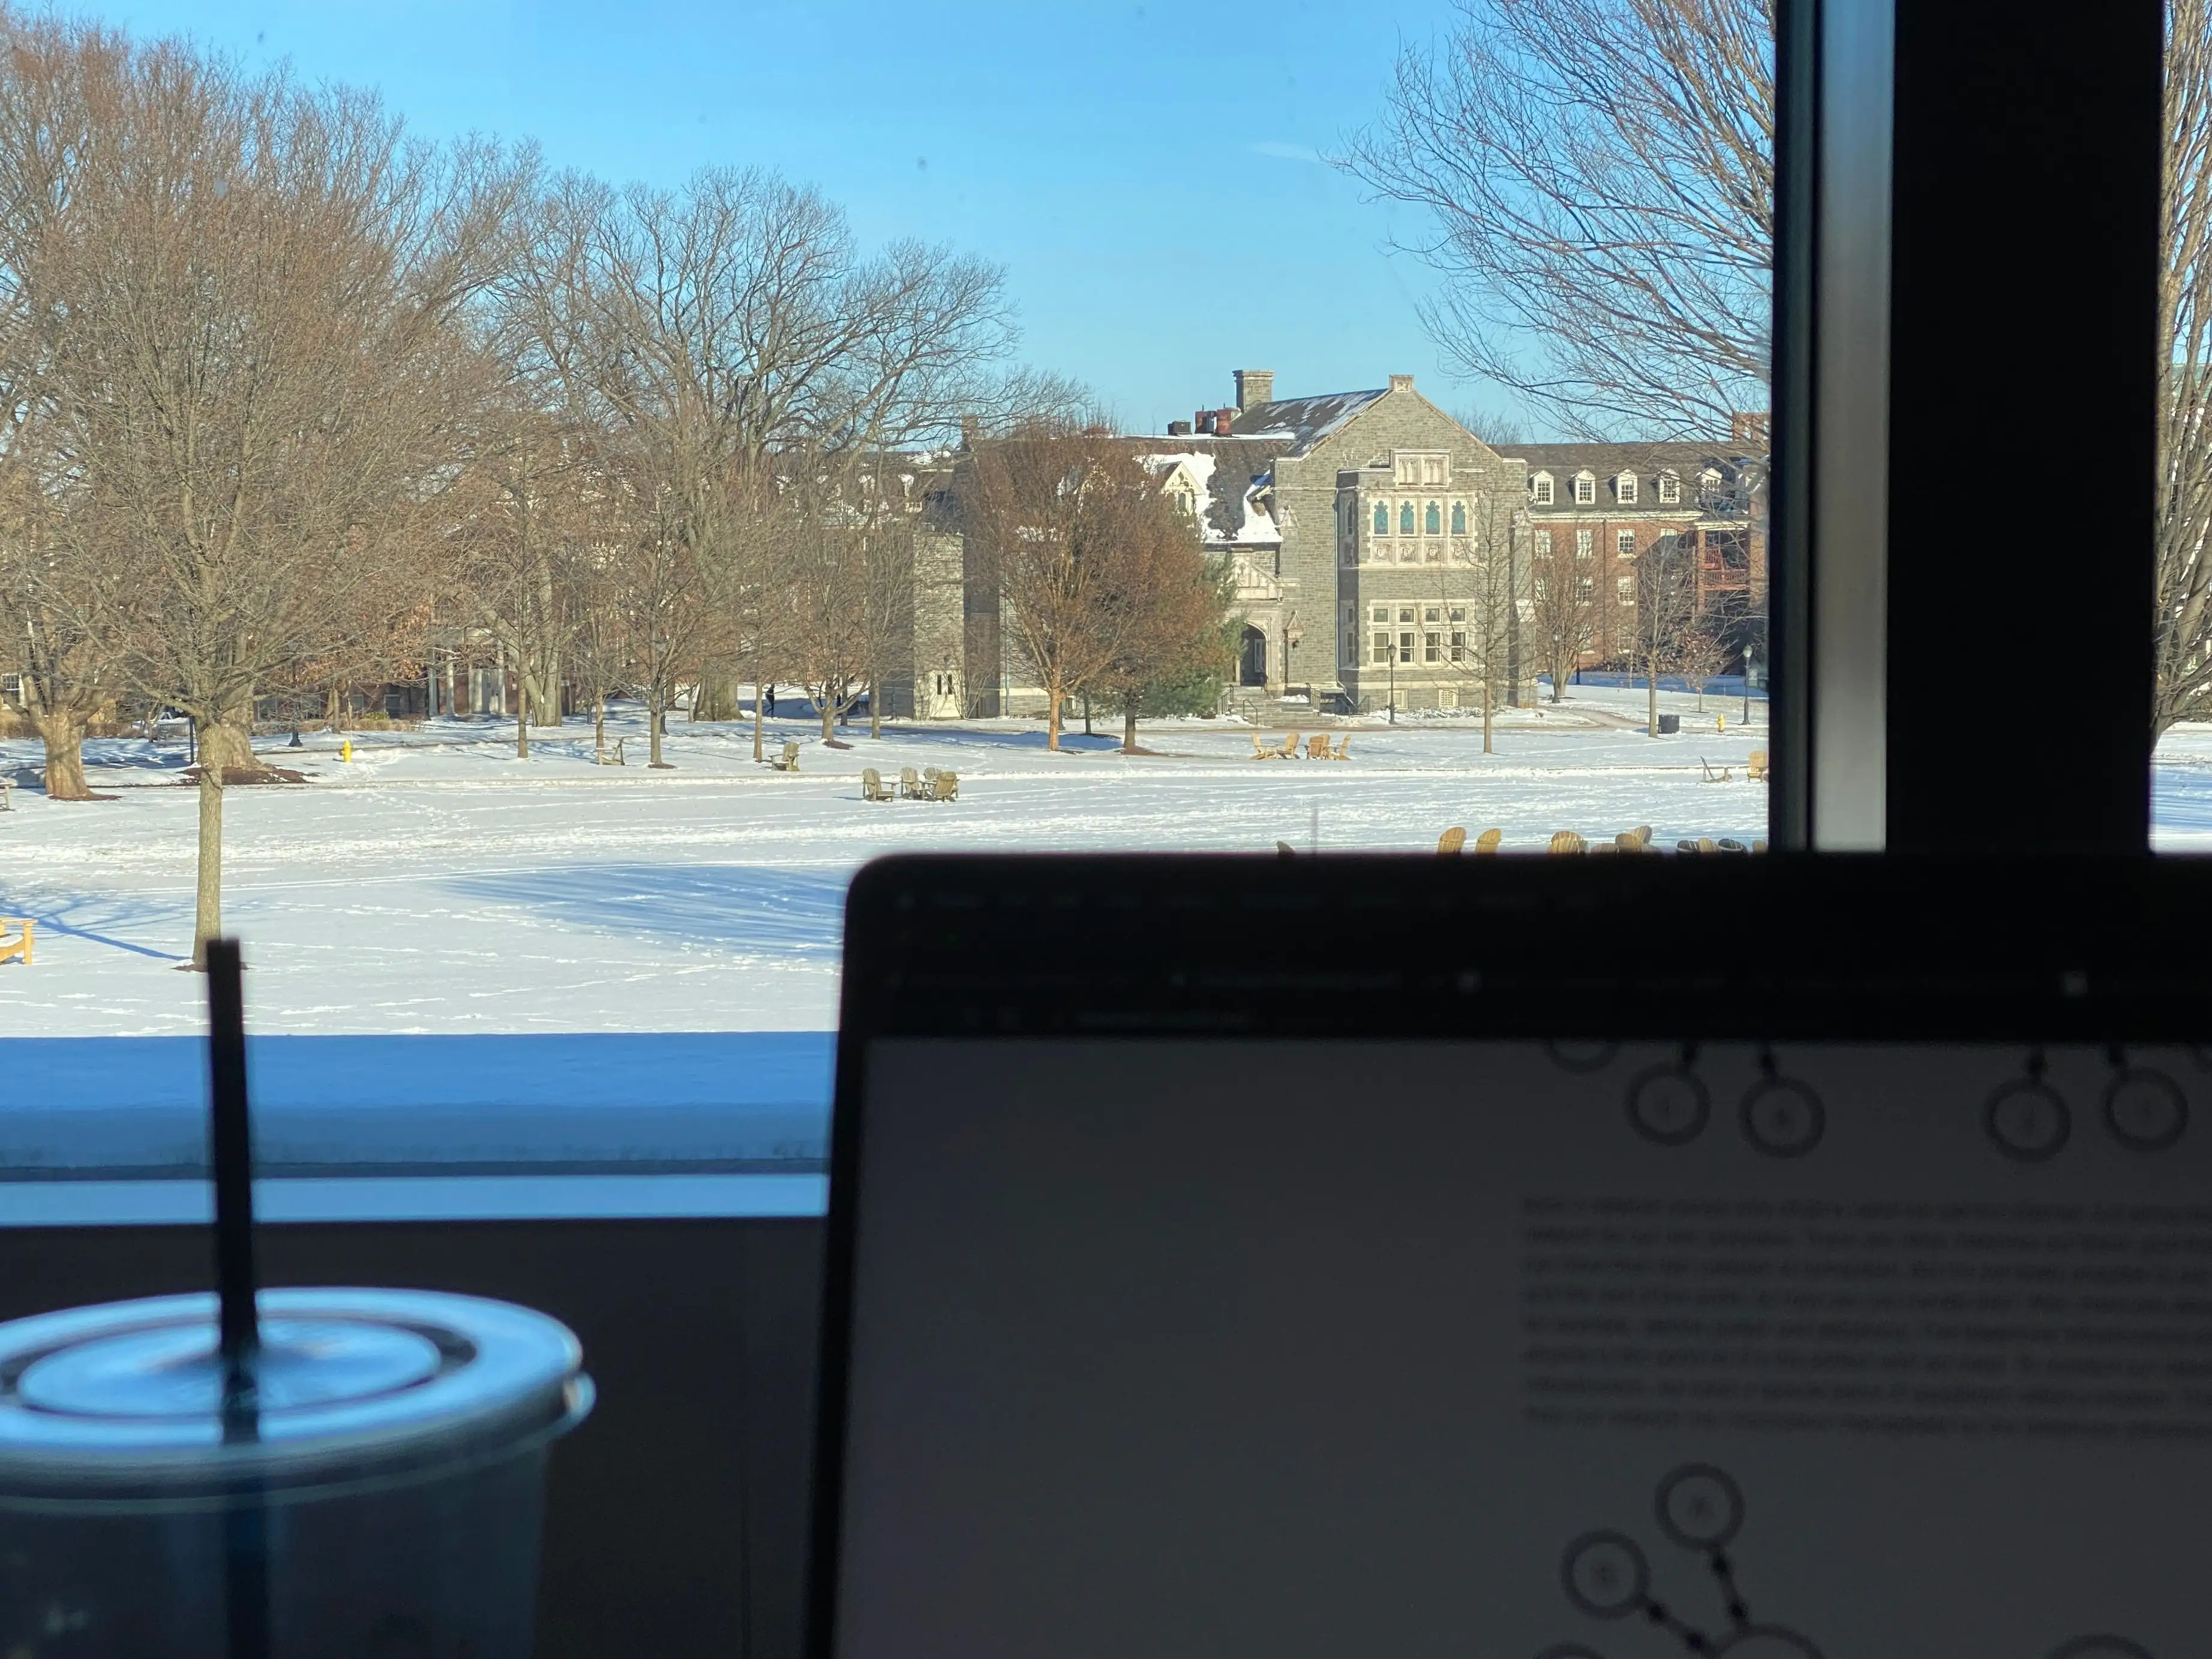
(1595, 508)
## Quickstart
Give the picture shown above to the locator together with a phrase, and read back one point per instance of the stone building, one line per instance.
(1348, 517)
(1382, 551)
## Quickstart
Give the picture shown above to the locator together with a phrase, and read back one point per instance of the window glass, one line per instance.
(671, 488)
(2181, 709)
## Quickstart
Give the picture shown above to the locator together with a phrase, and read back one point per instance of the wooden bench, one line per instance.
(20, 946)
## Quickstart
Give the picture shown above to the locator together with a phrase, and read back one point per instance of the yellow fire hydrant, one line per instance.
(345, 750)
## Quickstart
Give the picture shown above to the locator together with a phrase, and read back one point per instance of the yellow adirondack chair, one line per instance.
(1261, 750)
(871, 785)
(18, 948)
(1343, 748)
(1489, 841)
(1754, 766)
(1452, 840)
(1317, 747)
(1567, 841)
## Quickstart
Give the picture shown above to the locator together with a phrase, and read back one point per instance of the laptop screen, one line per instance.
(1326, 1348)
(1320, 1344)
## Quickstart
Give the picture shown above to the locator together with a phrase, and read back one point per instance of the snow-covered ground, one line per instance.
(436, 883)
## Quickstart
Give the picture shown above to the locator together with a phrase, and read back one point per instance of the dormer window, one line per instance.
(1623, 489)
(1670, 488)
(1539, 489)
(1585, 489)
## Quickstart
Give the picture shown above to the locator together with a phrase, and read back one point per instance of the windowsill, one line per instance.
(113, 1131)
(419, 1198)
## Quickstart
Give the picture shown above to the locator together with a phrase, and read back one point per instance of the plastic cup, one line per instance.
(387, 1506)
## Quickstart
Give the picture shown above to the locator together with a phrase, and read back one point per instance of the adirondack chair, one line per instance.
(871, 785)
(613, 757)
(1453, 840)
(20, 946)
(1488, 841)
(1343, 749)
(1688, 847)
(1284, 850)
(7, 796)
(1707, 844)
(1289, 749)
(1642, 834)
(946, 786)
(1755, 768)
(910, 783)
(1721, 775)
(1317, 747)
(1727, 846)
(788, 761)
(1261, 750)
(1567, 841)
(1627, 841)
(1759, 846)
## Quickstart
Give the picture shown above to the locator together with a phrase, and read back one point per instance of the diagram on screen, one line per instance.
(1700, 1508)
(1607, 1576)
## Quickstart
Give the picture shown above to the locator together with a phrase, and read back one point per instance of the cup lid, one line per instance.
(352, 1382)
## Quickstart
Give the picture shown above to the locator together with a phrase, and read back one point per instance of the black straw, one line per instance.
(246, 1564)
(233, 1142)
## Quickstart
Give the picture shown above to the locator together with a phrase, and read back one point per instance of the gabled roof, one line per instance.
(1302, 422)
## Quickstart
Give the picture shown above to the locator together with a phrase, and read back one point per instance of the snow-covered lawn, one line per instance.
(437, 883)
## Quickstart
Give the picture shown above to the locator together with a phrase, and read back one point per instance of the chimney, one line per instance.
(1178, 429)
(1254, 387)
(1402, 383)
(971, 427)
(1204, 420)
(1225, 422)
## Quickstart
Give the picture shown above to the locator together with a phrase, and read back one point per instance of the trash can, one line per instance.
(1669, 725)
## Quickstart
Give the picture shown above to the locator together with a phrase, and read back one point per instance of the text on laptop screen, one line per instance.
(1523, 1350)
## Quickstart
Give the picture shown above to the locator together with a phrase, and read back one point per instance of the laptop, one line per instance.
(1548, 1258)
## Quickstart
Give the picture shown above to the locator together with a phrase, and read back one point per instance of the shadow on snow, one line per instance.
(788, 912)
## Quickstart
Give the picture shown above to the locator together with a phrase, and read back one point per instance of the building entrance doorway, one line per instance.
(1252, 661)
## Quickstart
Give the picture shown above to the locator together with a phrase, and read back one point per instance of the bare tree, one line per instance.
(1174, 640)
(1052, 515)
(1481, 597)
(258, 346)
(1600, 174)
(2184, 612)
(1666, 609)
(1698, 654)
(1565, 609)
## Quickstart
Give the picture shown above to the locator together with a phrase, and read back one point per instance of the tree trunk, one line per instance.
(1051, 719)
(599, 730)
(1559, 683)
(653, 703)
(331, 708)
(875, 708)
(62, 733)
(829, 714)
(227, 747)
(1487, 699)
(541, 699)
(207, 915)
(760, 706)
(716, 699)
(1129, 726)
(1652, 696)
(521, 719)
(1086, 714)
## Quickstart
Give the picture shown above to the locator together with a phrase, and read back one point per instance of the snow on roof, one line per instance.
(1304, 422)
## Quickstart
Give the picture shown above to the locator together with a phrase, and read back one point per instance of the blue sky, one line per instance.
(1149, 174)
